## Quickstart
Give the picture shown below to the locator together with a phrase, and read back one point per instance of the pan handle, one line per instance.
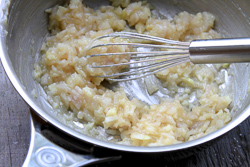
(44, 153)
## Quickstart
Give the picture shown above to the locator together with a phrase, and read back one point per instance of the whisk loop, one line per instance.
(144, 63)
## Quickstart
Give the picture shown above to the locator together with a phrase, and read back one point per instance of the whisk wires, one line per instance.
(149, 58)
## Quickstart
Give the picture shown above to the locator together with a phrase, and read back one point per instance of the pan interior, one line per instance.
(27, 29)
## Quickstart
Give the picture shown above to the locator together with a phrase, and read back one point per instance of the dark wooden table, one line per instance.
(232, 150)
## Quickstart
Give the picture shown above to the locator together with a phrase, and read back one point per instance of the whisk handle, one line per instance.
(231, 50)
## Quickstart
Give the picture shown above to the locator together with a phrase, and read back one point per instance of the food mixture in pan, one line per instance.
(65, 73)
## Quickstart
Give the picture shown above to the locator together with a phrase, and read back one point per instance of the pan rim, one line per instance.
(6, 62)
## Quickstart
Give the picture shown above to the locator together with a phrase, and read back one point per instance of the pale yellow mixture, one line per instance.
(65, 74)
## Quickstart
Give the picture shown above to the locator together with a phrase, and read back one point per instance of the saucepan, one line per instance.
(23, 29)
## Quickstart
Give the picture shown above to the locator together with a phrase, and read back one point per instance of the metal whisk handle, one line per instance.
(233, 50)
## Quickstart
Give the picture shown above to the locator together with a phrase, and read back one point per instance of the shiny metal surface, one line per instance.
(27, 27)
(220, 51)
(45, 153)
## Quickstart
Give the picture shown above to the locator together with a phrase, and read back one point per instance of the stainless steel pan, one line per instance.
(24, 26)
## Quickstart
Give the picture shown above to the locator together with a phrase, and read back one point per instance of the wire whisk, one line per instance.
(154, 54)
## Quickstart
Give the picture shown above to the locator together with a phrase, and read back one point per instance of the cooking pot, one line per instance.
(24, 28)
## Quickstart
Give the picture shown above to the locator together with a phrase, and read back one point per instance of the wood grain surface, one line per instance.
(232, 150)
(14, 124)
